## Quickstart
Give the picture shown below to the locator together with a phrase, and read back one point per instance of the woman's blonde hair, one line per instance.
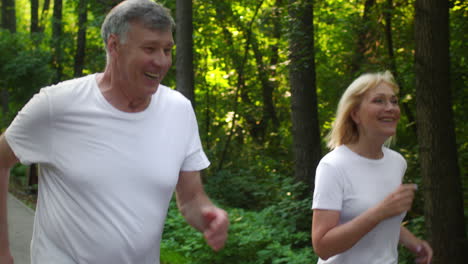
(344, 130)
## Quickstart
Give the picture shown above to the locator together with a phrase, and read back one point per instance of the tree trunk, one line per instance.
(32, 174)
(239, 64)
(81, 38)
(266, 75)
(34, 16)
(9, 15)
(306, 133)
(184, 53)
(269, 111)
(274, 49)
(8, 22)
(436, 136)
(255, 127)
(45, 10)
(388, 13)
(364, 38)
(57, 39)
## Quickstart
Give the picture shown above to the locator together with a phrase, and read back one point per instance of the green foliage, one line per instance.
(252, 187)
(267, 236)
(459, 69)
(236, 44)
(18, 174)
(276, 229)
(23, 67)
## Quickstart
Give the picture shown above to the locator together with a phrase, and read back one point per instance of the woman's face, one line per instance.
(378, 114)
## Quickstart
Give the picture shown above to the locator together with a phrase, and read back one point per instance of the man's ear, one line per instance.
(113, 44)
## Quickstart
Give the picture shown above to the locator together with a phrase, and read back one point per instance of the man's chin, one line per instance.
(153, 89)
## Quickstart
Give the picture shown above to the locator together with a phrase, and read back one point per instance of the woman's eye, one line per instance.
(378, 100)
(149, 49)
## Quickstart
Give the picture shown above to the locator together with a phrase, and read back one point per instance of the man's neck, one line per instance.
(117, 96)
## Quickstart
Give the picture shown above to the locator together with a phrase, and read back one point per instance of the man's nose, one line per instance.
(160, 59)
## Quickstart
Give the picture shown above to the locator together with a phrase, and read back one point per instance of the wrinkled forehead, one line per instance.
(138, 31)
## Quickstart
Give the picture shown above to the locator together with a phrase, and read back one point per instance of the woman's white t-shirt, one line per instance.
(351, 184)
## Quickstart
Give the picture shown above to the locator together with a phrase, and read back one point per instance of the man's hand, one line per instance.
(199, 211)
(216, 224)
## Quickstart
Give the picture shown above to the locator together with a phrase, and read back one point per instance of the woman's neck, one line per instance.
(367, 149)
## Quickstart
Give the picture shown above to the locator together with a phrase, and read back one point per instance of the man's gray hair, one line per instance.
(150, 14)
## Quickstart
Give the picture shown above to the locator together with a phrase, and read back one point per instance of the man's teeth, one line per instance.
(152, 75)
(387, 119)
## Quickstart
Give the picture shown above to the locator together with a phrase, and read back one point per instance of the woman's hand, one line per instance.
(419, 247)
(423, 252)
(397, 202)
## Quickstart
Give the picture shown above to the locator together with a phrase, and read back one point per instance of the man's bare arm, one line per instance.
(199, 211)
(7, 161)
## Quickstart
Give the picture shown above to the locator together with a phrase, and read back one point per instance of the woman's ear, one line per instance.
(355, 115)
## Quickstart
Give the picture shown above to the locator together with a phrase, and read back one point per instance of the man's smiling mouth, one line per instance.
(154, 76)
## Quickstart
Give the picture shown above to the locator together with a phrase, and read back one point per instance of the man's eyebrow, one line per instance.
(157, 42)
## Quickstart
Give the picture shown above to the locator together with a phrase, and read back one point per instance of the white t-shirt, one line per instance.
(107, 176)
(351, 184)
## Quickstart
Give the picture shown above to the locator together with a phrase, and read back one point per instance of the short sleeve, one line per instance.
(404, 166)
(195, 158)
(29, 133)
(329, 188)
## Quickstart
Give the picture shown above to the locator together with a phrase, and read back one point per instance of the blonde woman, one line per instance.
(359, 200)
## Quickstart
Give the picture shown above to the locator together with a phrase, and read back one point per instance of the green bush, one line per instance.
(267, 236)
(18, 174)
(24, 69)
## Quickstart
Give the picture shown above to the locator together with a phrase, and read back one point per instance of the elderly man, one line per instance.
(112, 146)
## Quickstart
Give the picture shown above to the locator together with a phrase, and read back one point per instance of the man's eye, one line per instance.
(149, 49)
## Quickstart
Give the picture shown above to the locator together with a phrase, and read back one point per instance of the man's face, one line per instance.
(143, 60)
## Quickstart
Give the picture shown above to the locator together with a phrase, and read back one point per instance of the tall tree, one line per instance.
(256, 124)
(436, 135)
(8, 22)
(184, 52)
(81, 38)
(388, 14)
(9, 15)
(57, 32)
(239, 62)
(306, 133)
(34, 27)
(269, 108)
(365, 38)
(45, 11)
